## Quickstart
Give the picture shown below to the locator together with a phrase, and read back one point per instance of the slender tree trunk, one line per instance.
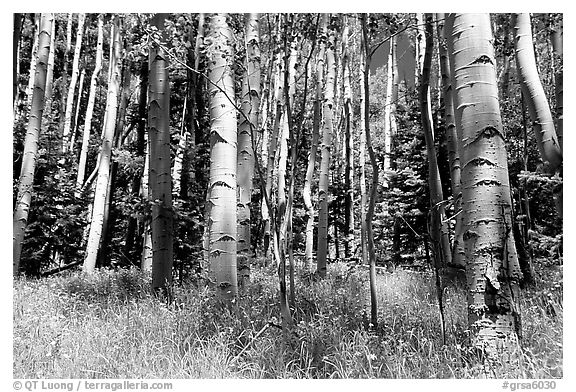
(223, 160)
(50, 72)
(159, 175)
(33, 55)
(492, 267)
(374, 187)
(17, 32)
(438, 230)
(307, 191)
(504, 77)
(76, 116)
(538, 107)
(146, 259)
(419, 46)
(267, 215)
(250, 106)
(362, 165)
(557, 35)
(96, 224)
(323, 185)
(452, 145)
(350, 245)
(141, 151)
(72, 88)
(26, 181)
(387, 121)
(394, 101)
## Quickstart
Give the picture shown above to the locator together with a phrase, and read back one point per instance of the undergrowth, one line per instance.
(110, 325)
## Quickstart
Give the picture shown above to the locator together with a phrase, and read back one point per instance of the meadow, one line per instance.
(110, 325)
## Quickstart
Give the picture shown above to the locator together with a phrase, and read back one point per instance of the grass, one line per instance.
(110, 326)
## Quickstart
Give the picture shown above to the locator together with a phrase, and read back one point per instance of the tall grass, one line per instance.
(109, 325)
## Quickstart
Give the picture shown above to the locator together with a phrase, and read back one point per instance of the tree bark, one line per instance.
(250, 107)
(307, 191)
(66, 135)
(374, 187)
(33, 56)
(326, 142)
(96, 224)
(16, 34)
(492, 267)
(26, 181)
(141, 151)
(159, 175)
(50, 72)
(223, 160)
(438, 230)
(76, 118)
(350, 244)
(557, 35)
(452, 144)
(543, 123)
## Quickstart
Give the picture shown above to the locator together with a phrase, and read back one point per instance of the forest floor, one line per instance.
(110, 326)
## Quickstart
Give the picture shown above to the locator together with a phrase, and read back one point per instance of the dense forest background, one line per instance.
(340, 185)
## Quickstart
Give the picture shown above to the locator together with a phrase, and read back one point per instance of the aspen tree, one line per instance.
(492, 267)
(307, 190)
(373, 189)
(250, 106)
(276, 105)
(395, 81)
(349, 145)
(97, 221)
(29, 156)
(142, 153)
(17, 32)
(50, 71)
(326, 141)
(438, 230)
(76, 115)
(452, 143)
(66, 135)
(159, 175)
(223, 159)
(557, 35)
(387, 121)
(32, 71)
(90, 108)
(538, 107)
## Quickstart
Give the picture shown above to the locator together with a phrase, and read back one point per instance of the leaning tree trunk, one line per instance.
(492, 267)
(323, 185)
(30, 153)
(90, 109)
(538, 107)
(223, 159)
(373, 189)
(159, 178)
(452, 144)
(97, 221)
(438, 230)
(557, 35)
(72, 87)
(249, 123)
